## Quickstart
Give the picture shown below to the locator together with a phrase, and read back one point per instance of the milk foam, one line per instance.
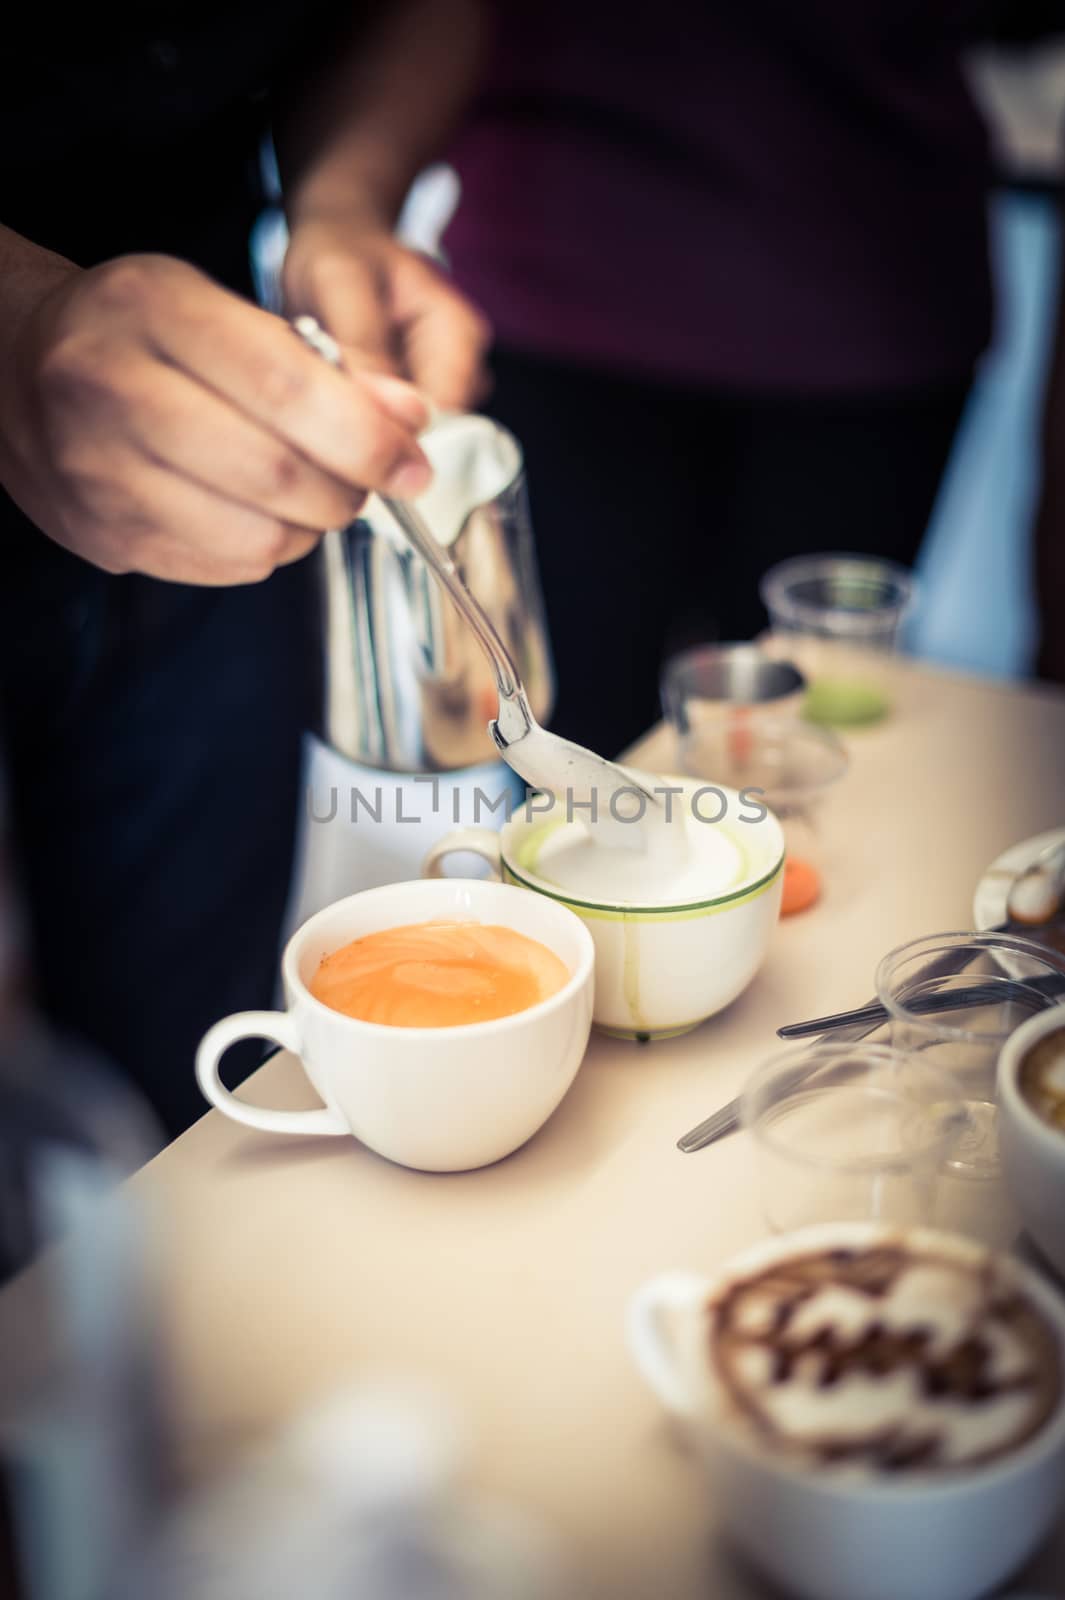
(887, 1359)
(713, 859)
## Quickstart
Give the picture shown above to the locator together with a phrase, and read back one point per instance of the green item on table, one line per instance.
(844, 702)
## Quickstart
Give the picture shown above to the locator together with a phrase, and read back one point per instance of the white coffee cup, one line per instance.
(1033, 1154)
(660, 969)
(439, 1099)
(837, 1533)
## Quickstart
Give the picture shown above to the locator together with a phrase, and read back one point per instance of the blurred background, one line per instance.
(976, 610)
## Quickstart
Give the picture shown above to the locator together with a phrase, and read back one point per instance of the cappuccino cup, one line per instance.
(882, 1410)
(442, 1099)
(1033, 1148)
(674, 943)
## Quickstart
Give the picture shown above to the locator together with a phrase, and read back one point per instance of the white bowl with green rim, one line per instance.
(660, 968)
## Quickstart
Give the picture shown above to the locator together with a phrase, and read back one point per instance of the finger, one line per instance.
(402, 400)
(349, 295)
(173, 560)
(179, 424)
(445, 339)
(299, 542)
(171, 527)
(256, 361)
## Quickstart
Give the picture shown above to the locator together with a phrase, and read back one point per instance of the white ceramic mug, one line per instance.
(824, 1532)
(1033, 1154)
(440, 1099)
(659, 969)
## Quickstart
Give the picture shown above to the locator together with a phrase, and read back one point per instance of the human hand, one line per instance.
(151, 421)
(389, 307)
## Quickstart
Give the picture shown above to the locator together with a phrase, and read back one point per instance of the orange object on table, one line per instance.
(802, 886)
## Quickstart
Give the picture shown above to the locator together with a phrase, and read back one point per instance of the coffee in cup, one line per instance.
(438, 975)
(1041, 1079)
(883, 1409)
(894, 1356)
(442, 1097)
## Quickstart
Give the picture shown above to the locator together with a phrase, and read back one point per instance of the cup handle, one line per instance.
(651, 1343)
(280, 1028)
(479, 841)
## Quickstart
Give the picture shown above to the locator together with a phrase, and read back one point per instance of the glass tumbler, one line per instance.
(719, 683)
(839, 617)
(952, 1000)
(793, 764)
(850, 1132)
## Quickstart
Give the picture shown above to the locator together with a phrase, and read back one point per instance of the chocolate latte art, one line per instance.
(887, 1358)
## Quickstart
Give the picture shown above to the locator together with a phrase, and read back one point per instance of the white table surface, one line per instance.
(289, 1266)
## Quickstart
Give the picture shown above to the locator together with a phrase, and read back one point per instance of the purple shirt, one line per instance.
(760, 194)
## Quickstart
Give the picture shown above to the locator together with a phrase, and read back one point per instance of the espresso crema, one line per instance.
(887, 1357)
(438, 975)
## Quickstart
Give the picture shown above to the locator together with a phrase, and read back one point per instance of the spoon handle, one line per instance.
(726, 1119)
(436, 557)
(996, 991)
(431, 551)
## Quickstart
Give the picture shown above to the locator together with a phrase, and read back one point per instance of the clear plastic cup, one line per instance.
(1010, 979)
(793, 764)
(714, 682)
(850, 1133)
(838, 616)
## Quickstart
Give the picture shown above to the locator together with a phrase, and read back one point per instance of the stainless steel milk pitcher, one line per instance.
(407, 687)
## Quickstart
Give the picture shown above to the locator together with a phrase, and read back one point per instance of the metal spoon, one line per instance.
(613, 800)
(850, 1026)
(1051, 987)
(726, 1119)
